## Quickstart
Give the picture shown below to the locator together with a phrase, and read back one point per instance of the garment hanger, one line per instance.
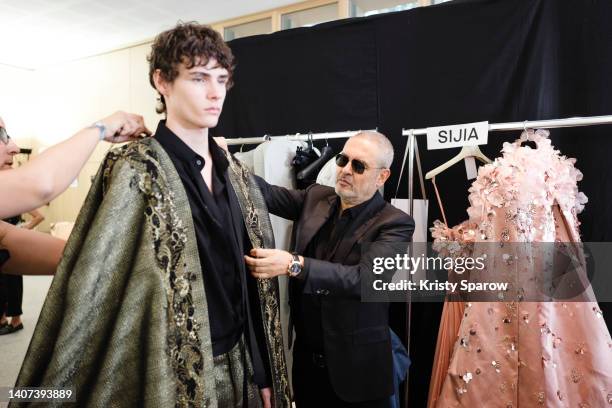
(311, 147)
(313, 168)
(308, 147)
(527, 141)
(304, 154)
(466, 151)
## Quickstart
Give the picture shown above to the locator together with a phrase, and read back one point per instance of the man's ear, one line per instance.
(383, 176)
(160, 83)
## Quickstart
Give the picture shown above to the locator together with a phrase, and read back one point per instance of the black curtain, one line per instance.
(459, 62)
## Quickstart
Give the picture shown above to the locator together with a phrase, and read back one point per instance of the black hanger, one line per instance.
(313, 168)
(310, 144)
(304, 155)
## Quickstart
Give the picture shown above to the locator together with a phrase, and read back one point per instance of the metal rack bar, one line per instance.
(533, 124)
(296, 137)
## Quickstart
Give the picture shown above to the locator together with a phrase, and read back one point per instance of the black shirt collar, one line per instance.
(353, 212)
(174, 146)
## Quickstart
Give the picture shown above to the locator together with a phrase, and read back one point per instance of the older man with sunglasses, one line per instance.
(342, 353)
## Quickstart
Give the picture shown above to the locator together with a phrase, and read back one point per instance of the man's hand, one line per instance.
(123, 127)
(266, 397)
(268, 263)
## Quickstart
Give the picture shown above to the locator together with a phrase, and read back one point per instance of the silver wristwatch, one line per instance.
(295, 267)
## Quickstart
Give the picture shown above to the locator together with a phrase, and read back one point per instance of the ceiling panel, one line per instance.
(38, 33)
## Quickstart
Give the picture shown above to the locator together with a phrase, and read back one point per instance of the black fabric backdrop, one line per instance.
(463, 61)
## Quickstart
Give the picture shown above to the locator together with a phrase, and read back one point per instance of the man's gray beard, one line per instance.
(338, 193)
(345, 198)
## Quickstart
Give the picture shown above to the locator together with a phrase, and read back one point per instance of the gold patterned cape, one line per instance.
(125, 322)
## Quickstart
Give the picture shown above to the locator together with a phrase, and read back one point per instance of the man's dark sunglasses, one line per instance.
(4, 137)
(358, 166)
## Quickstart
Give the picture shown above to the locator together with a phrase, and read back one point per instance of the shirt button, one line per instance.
(199, 162)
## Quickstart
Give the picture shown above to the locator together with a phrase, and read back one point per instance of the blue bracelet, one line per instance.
(101, 128)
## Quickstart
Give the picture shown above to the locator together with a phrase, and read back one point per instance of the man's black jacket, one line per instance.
(356, 337)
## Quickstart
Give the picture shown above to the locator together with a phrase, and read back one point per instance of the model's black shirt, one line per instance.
(217, 242)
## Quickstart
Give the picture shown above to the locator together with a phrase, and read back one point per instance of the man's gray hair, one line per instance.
(384, 151)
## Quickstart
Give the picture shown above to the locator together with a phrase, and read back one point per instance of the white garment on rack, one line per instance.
(272, 162)
(247, 158)
(420, 210)
(327, 174)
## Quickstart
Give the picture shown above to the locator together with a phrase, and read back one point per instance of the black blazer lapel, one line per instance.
(313, 223)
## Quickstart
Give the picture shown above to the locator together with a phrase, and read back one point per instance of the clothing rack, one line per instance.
(493, 127)
(295, 137)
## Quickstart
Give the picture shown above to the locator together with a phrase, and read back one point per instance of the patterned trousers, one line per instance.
(234, 379)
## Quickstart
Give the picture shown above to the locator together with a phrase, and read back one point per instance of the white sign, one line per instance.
(469, 134)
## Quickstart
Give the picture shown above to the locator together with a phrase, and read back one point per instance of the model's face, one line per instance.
(354, 188)
(195, 98)
(7, 151)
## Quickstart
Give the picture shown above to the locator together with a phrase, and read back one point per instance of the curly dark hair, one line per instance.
(190, 43)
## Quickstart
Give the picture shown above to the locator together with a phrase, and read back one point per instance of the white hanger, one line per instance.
(466, 151)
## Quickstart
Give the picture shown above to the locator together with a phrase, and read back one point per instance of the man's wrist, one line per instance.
(305, 266)
(296, 265)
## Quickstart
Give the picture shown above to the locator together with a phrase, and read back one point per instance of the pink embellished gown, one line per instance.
(512, 354)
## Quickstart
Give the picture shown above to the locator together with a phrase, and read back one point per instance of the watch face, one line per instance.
(295, 268)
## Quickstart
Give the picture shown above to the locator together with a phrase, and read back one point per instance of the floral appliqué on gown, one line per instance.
(507, 353)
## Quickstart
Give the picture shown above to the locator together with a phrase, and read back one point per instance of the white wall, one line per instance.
(16, 104)
(44, 107)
